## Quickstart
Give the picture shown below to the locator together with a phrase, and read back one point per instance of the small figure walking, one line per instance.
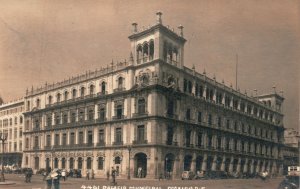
(107, 175)
(93, 174)
(113, 175)
(63, 174)
(87, 175)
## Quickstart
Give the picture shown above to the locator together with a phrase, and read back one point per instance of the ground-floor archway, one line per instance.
(209, 163)
(219, 163)
(187, 163)
(227, 164)
(140, 165)
(199, 161)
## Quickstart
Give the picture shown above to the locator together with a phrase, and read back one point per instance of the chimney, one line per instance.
(180, 27)
(158, 17)
(134, 27)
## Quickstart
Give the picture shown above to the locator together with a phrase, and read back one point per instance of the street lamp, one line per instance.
(3, 138)
(129, 150)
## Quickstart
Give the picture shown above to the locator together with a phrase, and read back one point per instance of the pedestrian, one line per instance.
(48, 178)
(93, 174)
(63, 174)
(55, 175)
(113, 175)
(107, 175)
(87, 175)
(139, 172)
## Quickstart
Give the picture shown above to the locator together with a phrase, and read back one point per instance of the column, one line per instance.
(252, 166)
(204, 163)
(239, 165)
(245, 170)
(231, 165)
(257, 166)
(223, 163)
(214, 164)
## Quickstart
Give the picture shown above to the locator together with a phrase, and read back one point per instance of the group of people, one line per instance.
(28, 175)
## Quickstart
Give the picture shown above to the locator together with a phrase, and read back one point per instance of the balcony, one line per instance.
(118, 117)
(102, 93)
(134, 115)
(118, 143)
(172, 143)
(140, 142)
(119, 89)
(173, 116)
(100, 120)
(100, 143)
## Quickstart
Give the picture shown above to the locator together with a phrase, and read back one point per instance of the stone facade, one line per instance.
(11, 125)
(151, 113)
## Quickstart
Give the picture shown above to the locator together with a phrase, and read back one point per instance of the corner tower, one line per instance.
(157, 42)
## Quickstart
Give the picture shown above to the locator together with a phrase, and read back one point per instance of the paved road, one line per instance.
(72, 183)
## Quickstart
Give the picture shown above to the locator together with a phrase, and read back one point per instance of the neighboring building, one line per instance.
(291, 148)
(291, 137)
(11, 125)
(151, 112)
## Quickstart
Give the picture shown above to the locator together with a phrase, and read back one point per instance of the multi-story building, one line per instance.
(153, 113)
(291, 148)
(11, 125)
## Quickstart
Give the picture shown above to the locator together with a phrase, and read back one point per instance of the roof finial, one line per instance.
(134, 27)
(180, 27)
(158, 17)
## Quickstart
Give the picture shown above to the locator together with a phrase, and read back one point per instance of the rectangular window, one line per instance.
(101, 136)
(227, 124)
(118, 135)
(73, 117)
(188, 114)
(81, 116)
(64, 139)
(80, 137)
(199, 139)
(48, 140)
(57, 139)
(170, 133)
(65, 117)
(102, 114)
(199, 117)
(72, 138)
(141, 133)
(36, 141)
(90, 138)
(219, 122)
(209, 119)
(91, 114)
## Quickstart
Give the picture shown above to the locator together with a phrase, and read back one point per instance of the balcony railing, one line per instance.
(173, 116)
(100, 120)
(118, 117)
(101, 143)
(140, 142)
(116, 143)
(119, 89)
(172, 143)
(139, 114)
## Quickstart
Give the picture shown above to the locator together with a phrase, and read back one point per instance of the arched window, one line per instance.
(58, 97)
(74, 93)
(175, 55)
(145, 52)
(66, 95)
(92, 89)
(82, 92)
(117, 160)
(103, 87)
(56, 163)
(80, 163)
(38, 103)
(89, 163)
(50, 99)
(151, 50)
(141, 106)
(139, 54)
(120, 82)
(63, 163)
(100, 163)
(71, 165)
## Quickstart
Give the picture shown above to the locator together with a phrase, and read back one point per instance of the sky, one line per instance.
(48, 41)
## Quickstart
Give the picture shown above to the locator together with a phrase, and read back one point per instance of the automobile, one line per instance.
(187, 175)
(290, 182)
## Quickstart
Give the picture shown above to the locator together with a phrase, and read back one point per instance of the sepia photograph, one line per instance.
(162, 94)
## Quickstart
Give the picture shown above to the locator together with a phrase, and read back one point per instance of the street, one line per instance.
(82, 183)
